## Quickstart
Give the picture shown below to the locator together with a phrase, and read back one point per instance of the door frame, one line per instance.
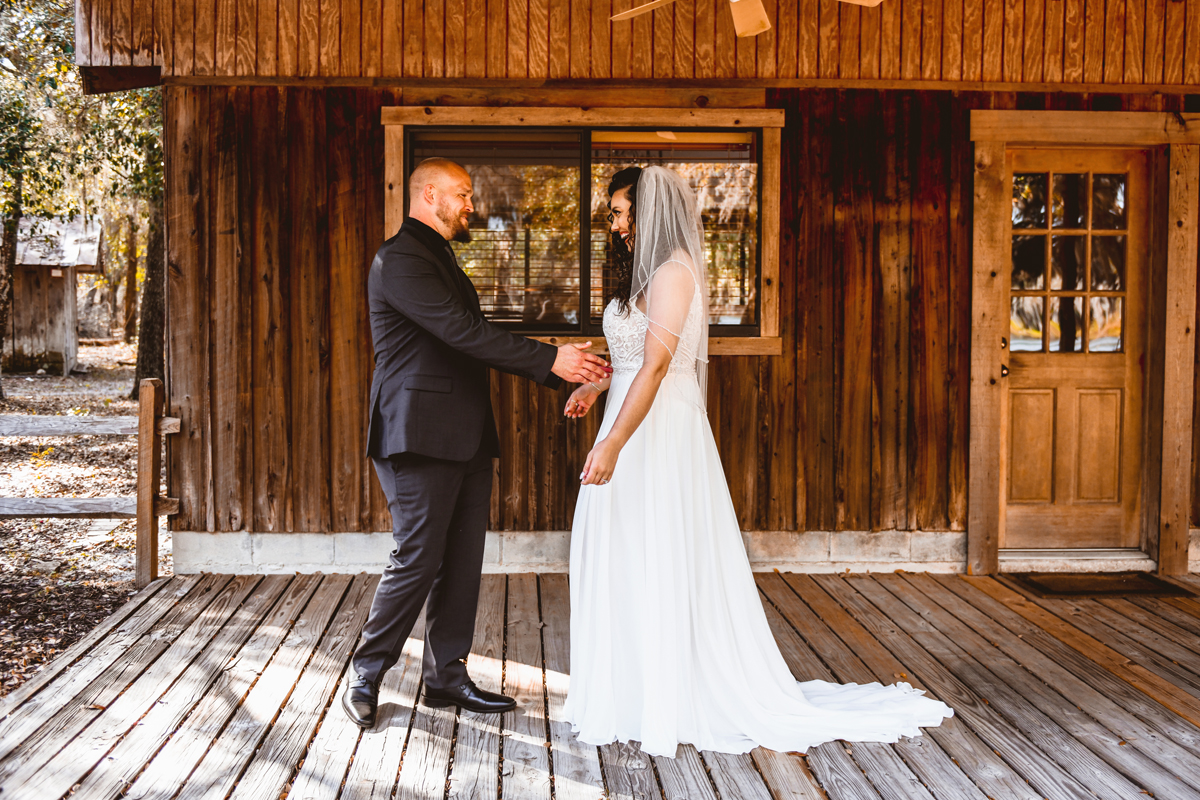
(1175, 214)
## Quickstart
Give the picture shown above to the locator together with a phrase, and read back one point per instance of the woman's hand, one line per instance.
(581, 401)
(601, 462)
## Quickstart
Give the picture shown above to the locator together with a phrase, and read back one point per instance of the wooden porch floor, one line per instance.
(217, 686)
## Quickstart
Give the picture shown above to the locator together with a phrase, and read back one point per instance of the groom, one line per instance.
(432, 439)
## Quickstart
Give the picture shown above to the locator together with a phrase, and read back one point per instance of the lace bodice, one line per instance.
(626, 335)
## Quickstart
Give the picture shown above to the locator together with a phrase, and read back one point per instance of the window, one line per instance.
(540, 252)
(542, 266)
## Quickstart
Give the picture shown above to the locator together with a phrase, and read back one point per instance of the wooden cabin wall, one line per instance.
(41, 323)
(1067, 42)
(275, 210)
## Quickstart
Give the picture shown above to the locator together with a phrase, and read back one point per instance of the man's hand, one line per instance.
(574, 365)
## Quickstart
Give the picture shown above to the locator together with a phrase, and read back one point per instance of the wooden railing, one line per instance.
(149, 426)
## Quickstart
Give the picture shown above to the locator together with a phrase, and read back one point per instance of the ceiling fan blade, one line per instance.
(869, 3)
(749, 17)
(642, 9)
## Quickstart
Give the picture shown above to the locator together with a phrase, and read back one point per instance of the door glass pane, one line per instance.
(1025, 324)
(1105, 325)
(1066, 325)
(1029, 200)
(1028, 262)
(1066, 262)
(1070, 200)
(1108, 202)
(1108, 263)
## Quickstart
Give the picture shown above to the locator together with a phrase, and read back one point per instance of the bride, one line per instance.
(669, 641)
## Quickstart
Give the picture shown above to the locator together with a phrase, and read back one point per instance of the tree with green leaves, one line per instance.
(64, 153)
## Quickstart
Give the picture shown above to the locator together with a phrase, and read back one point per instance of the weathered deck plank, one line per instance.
(378, 752)
(576, 765)
(224, 686)
(629, 773)
(171, 766)
(1165, 723)
(73, 653)
(830, 762)
(882, 766)
(526, 770)
(424, 769)
(87, 745)
(53, 716)
(1067, 708)
(1051, 737)
(980, 763)
(1046, 776)
(291, 731)
(1100, 705)
(1155, 686)
(477, 752)
(126, 760)
(218, 771)
(1089, 619)
(683, 777)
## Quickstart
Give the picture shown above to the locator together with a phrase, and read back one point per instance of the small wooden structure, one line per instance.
(924, 372)
(149, 426)
(42, 332)
(229, 686)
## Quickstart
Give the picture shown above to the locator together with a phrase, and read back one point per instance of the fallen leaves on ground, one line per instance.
(59, 578)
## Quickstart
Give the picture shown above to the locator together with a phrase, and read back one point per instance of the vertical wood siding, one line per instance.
(275, 210)
(1131, 42)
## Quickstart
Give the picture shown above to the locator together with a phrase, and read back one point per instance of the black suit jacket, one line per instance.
(430, 392)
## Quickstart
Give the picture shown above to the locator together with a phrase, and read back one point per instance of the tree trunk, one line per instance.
(131, 260)
(8, 259)
(150, 359)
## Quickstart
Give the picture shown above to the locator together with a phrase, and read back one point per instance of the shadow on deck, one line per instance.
(218, 685)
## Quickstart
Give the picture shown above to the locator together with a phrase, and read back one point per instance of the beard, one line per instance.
(459, 229)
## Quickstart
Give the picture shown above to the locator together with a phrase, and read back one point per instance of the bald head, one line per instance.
(433, 172)
(439, 192)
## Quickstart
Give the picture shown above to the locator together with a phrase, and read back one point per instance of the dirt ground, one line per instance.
(60, 578)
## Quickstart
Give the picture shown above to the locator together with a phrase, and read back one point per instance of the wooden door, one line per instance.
(1073, 444)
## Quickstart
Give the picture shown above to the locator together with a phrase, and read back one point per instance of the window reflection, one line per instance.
(1108, 202)
(1025, 324)
(1028, 262)
(1105, 324)
(1108, 263)
(523, 256)
(1069, 201)
(1066, 325)
(1029, 200)
(722, 169)
(1067, 262)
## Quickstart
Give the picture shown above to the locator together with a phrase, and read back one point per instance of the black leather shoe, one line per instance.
(361, 701)
(468, 697)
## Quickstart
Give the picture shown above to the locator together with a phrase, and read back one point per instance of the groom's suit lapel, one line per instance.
(466, 290)
(443, 256)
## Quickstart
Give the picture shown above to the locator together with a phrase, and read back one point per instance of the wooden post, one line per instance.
(989, 314)
(1183, 220)
(150, 408)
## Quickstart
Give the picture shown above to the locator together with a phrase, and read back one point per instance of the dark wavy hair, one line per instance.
(620, 276)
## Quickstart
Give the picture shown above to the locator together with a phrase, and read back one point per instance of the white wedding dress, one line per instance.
(669, 641)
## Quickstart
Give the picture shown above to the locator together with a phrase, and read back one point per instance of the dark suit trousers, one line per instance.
(439, 520)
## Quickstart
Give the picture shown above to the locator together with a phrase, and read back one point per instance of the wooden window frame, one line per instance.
(1175, 214)
(770, 121)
